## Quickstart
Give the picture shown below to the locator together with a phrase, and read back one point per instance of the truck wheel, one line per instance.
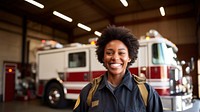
(54, 96)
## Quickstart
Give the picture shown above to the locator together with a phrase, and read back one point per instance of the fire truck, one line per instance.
(62, 73)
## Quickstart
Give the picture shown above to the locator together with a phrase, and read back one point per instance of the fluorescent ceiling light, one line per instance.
(162, 11)
(62, 16)
(97, 33)
(124, 2)
(35, 3)
(84, 27)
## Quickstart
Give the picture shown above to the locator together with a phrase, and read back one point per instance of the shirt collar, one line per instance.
(126, 81)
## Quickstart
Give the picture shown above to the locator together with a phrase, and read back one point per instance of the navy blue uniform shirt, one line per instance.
(125, 98)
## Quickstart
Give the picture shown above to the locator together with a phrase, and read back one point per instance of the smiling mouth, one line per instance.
(115, 65)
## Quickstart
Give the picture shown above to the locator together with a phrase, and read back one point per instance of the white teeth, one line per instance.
(115, 65)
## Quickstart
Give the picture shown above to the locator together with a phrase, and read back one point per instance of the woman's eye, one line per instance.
(109, 53)
(122, 53)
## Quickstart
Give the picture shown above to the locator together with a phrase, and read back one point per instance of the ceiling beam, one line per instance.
(156, 19)
(148, 20)
(97, 6)
(101, 9)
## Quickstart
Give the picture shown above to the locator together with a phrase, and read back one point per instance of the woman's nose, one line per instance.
(115, 56)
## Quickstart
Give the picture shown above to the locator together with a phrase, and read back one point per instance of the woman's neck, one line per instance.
(115, 79)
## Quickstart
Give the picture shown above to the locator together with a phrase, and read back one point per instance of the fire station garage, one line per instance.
(47, 50)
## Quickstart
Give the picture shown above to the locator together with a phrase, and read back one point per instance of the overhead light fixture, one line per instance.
(35, 3)
(84, 27)
(162, 11)
(62, 16)
(124, 2)
(97, 33)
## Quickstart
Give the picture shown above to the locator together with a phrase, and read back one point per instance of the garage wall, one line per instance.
(11, 40)
(180, 31)
(10, 45)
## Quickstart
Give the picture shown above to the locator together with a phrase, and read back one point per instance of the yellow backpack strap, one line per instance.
(143, 90)
(144, 93)
(95, 84)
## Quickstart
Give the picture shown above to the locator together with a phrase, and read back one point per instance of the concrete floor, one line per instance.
(30, 106)
(37, 106)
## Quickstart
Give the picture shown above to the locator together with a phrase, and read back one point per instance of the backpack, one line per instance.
(139, 80)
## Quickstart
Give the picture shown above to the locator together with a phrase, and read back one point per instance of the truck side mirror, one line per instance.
(191, 64)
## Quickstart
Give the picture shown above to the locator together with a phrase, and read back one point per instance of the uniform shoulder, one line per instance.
(139, 80)
(86, 89)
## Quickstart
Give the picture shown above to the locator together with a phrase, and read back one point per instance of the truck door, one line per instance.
(77, 72)
(77, 65)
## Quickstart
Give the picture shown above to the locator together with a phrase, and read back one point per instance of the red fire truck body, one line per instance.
(62, 73)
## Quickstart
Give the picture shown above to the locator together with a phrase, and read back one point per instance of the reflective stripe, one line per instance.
(75, 85)
(159, 83)
(72, 96)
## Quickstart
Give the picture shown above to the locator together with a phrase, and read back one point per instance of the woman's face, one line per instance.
(116, 57)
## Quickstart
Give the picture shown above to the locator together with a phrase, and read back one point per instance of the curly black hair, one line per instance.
(117, 33)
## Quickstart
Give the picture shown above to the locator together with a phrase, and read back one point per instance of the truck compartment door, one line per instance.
(77, 65)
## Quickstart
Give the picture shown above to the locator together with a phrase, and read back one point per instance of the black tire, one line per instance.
(54, 96)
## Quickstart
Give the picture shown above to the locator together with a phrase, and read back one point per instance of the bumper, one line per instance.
(177, 103)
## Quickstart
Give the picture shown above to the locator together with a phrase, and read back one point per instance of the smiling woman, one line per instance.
(118, 90)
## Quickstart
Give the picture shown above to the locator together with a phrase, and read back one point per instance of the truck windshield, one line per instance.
(163, 54)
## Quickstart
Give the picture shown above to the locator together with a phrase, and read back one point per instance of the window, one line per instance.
(157, 53)
(163, 54)
(77, 60)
